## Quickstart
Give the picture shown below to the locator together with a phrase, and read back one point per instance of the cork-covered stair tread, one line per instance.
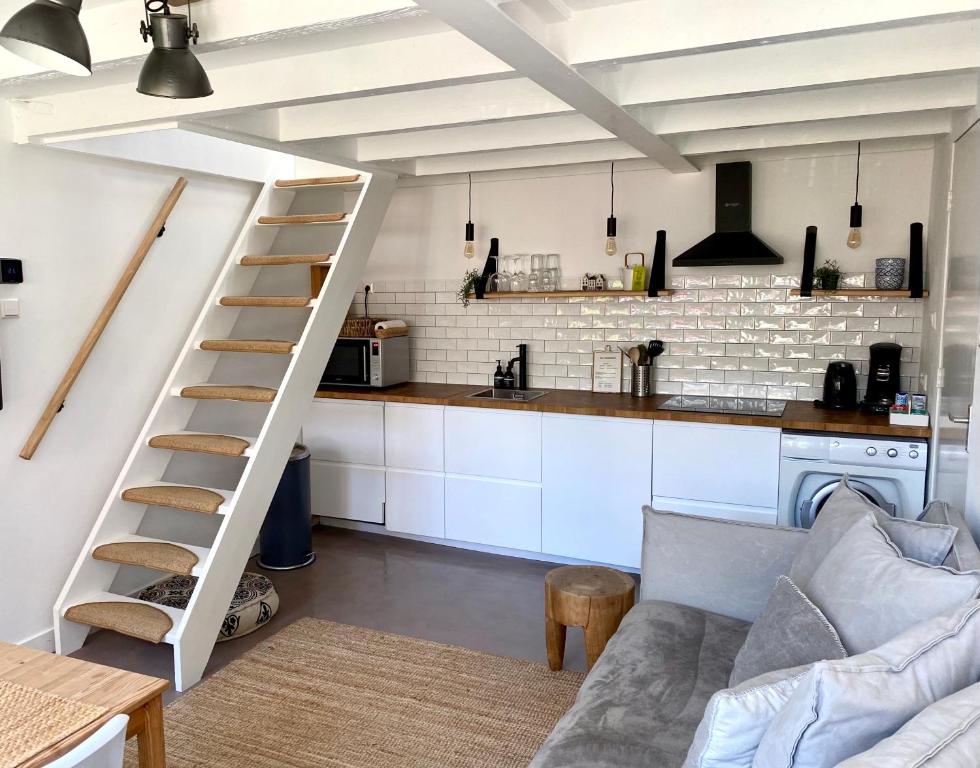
(302, 218)
(268, 346)
(158, 555)
(265, 301)
(186, 497)
(220, 445)
(318, 181)
(245, 392)
(277, 260)
(137, 620)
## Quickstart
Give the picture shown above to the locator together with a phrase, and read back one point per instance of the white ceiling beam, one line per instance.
(494, 31)
(563, 129)
(820, 132)
(878, 55)
(527, 158)
(423, 109)
(113, 27)
(655, 29)
(402, 64)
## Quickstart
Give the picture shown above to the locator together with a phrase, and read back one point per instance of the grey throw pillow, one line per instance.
(736, 719)
(964, 555)
(871, 593)
(926, 542)
(791, 632)
(943, 735)
(843, 708)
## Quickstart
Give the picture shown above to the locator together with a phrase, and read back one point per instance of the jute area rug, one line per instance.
(325, 694)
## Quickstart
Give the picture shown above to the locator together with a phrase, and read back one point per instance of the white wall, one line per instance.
(75, 221)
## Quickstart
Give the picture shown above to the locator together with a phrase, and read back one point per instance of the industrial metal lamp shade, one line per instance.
(171, 70)
(49, 34)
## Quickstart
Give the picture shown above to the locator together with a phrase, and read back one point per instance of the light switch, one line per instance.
(9, 307)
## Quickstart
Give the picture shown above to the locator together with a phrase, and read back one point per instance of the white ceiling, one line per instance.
(448, 86)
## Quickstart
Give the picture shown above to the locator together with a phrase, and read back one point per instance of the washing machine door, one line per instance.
(808, 509)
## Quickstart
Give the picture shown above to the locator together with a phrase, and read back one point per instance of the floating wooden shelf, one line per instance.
(862, 292)
(565, 294)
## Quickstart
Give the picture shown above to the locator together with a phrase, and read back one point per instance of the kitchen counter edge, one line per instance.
(800, 415)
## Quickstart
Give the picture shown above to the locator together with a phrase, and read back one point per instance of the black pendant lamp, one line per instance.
(171, 70)
(49, 34)
(611, 221)
(469, 246)
(854, 234)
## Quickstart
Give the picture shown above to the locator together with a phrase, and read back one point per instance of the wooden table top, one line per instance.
(800, 415)
(119, 691)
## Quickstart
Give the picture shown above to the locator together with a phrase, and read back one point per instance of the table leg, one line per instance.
(554, 633)
(152, 753)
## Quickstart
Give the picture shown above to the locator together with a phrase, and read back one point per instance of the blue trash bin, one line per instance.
(286, 538)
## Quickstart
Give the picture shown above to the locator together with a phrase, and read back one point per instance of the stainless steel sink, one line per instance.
(509, 394)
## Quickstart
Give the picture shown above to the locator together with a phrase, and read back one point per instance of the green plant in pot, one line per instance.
(472, 284)
(828, 276)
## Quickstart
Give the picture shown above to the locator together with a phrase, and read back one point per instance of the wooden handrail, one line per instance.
(81, 357)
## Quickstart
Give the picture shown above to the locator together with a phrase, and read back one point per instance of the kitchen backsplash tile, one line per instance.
(741, 335)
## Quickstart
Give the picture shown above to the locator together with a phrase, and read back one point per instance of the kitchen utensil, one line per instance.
(655, 348)
(633, 353)
(640, 381)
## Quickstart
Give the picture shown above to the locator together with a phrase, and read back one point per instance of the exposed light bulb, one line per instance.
(611, 246)
(469, 249)
(854, 238)
(611, 236)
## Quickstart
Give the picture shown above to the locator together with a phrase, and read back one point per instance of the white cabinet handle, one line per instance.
(962, 419)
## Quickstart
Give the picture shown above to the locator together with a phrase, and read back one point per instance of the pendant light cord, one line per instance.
(612, 188)
(857, 174)
(469, 194)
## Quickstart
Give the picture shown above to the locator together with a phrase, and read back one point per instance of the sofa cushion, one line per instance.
(642, 701)
(791, 632)
(842, 708)
(871, 593)
(943, 735)
(923, 541)
(964, 554)
(736, 719)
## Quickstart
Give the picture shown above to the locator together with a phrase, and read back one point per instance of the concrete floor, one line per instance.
(485, 602)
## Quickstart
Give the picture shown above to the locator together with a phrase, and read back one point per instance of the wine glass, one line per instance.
(519, 280)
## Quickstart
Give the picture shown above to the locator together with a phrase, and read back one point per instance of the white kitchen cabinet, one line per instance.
(491, 442)
(744, 514)
(348, 431)
(413, 436)
(347, 492)
(494, 512)
(595, 481)
(415, 503)
(735, 466)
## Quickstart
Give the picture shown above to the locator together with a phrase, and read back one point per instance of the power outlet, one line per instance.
(369, 288)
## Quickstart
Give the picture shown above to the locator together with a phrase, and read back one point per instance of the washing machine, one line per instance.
(891, 473)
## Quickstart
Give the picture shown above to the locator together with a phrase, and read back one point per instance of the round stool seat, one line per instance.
(588, 596)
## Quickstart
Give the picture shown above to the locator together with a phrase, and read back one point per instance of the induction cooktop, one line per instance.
(739, 406)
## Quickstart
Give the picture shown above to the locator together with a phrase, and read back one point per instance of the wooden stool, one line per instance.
(587, 596)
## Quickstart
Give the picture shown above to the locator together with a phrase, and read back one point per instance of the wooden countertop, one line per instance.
(800, 415)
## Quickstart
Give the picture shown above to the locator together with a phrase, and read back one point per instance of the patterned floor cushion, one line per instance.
(255, 601)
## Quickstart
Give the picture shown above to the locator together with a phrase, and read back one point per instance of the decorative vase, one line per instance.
(889, 273)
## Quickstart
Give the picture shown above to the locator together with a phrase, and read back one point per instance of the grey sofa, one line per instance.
(641, 704)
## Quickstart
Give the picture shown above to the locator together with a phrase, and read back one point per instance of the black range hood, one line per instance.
(732, 242)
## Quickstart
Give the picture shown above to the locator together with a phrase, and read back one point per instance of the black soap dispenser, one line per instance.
(499, 382)
(508, 378)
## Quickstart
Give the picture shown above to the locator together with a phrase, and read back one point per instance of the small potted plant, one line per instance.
(827, 277)
(472, 284)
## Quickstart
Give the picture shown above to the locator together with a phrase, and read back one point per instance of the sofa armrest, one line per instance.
(720, 566)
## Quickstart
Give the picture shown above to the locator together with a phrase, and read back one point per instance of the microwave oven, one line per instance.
(367, 362)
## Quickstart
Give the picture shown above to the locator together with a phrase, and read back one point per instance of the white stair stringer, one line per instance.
(242, 514)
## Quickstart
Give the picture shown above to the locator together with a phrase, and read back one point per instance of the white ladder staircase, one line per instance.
(87, 600)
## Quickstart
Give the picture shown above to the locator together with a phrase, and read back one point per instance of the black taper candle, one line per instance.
(809, 256)
(658, 273)
(915, 260)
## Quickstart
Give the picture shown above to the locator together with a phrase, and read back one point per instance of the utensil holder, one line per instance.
(640, 380)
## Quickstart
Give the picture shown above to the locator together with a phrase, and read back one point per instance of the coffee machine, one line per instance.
(884, 367)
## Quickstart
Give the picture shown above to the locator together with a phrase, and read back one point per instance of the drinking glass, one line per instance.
(519, 280)
(554, 270)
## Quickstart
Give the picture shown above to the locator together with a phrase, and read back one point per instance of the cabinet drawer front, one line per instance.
(596, 479)
(350, 493)
(415, 503)
(413, 436)
(761, 515)
(714, 462)
(494, 513)
(488, 442)
(346, 431)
